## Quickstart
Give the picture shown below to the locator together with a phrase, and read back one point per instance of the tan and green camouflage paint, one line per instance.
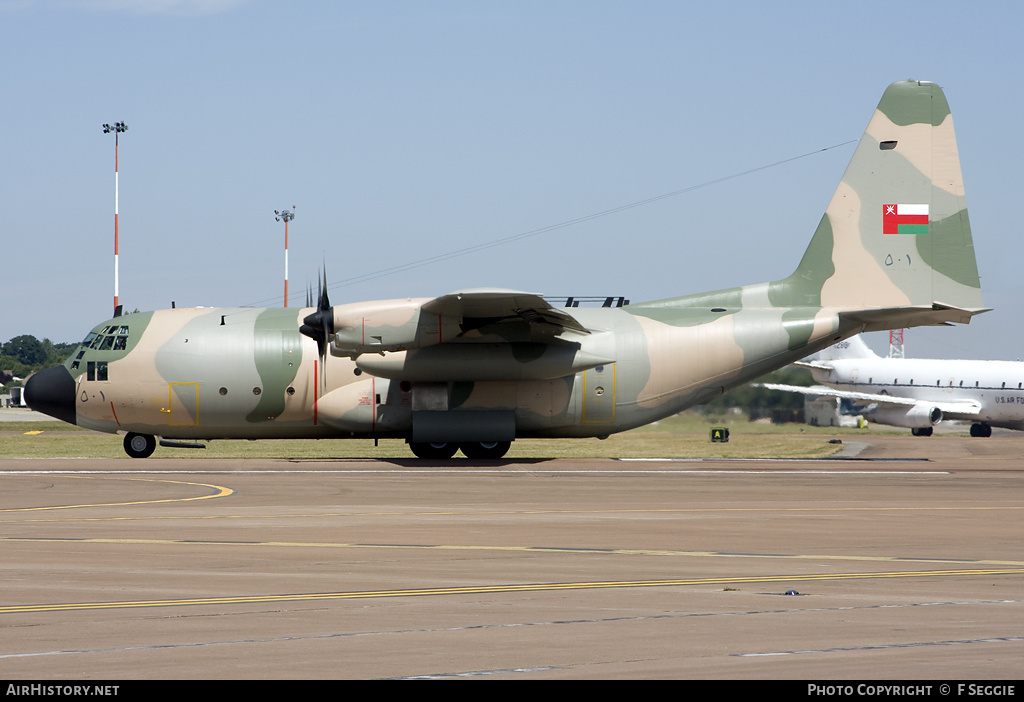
(248, 373)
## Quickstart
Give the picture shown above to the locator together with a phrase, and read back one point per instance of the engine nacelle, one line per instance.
(388, 325)
(916, 417)
(482, 362)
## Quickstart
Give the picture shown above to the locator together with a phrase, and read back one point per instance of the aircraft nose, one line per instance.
(52, 392)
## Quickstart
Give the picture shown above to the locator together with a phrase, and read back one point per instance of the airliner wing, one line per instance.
(956, 409)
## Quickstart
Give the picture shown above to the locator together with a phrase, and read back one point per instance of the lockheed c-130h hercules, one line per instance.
(476, 369)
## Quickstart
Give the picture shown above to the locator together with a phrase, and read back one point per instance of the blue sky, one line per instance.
(407, 130)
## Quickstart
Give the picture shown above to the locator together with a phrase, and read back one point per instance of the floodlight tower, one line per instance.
(895, 343)
(116, 128)
(287, 216)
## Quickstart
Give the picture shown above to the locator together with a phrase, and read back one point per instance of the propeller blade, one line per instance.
(319, 325)
(324, 302)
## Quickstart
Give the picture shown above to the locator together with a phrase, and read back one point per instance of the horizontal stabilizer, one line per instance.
(935, 314)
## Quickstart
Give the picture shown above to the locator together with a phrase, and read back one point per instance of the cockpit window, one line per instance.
(113, 337)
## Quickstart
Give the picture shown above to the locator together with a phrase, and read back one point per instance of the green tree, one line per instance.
(12, 364)
(57, 353)
(25, 354)
(757, 401)
(26, 349)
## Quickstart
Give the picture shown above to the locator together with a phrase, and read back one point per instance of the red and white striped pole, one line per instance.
(287, 216)
(116, 128)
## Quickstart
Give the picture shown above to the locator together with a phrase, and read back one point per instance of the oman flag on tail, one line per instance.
(904, 219)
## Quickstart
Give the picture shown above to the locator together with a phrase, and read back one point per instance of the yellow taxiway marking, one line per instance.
(218, 491)
(523, 549)
(487, 589)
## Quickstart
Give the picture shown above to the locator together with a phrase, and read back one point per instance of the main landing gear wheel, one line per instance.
(139, 445)
(981, 429)
(921, 431)
(435, 450)
(486, 449)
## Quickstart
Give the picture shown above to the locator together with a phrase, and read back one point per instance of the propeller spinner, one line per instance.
(319, 325)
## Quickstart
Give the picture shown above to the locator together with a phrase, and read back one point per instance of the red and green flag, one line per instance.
(904, 219)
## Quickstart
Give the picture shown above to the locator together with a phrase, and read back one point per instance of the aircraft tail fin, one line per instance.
(895, 239)
(854, 347)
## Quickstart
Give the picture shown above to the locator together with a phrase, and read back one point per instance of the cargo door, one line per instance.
(184, 403)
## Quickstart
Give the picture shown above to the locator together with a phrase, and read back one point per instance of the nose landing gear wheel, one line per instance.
(139, 445)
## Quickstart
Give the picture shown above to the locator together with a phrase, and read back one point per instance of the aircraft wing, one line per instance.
(497, 304)
(951, 409)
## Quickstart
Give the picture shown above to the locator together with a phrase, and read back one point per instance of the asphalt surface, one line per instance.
(909, 566)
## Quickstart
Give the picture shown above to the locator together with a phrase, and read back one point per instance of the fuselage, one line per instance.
(209, 373)
(997, 386)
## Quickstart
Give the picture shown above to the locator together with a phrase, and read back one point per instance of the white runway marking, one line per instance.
(479, 471)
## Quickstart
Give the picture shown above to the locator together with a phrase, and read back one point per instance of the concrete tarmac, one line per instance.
(907, 567)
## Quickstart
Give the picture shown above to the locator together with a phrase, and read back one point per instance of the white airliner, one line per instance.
(919, 393)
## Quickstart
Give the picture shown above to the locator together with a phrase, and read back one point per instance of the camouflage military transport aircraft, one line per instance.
(476, 369)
